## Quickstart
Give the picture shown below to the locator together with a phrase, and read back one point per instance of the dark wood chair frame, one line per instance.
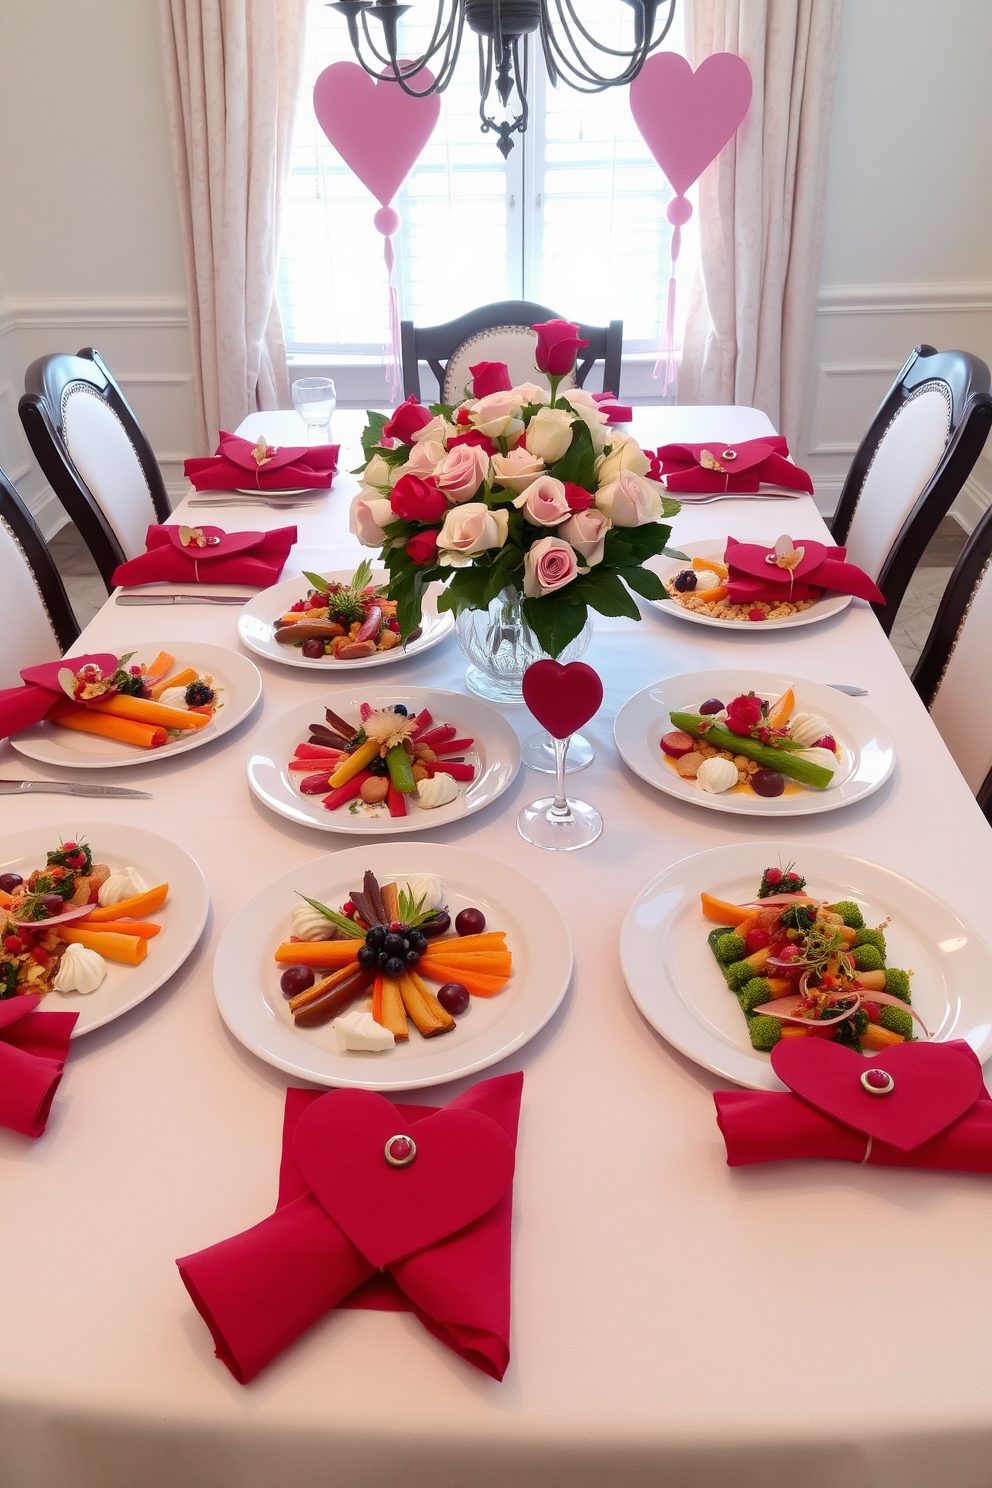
(435, 344)
(40, 409)
(968, 382)
(951, 613)
(50, 586)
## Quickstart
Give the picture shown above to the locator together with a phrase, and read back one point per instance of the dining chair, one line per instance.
(499, 333)
(919, 451)
(952, 675)
(94, 455)
(35, 614)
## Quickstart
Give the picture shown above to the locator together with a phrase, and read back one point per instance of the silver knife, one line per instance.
(846, 687)
(165, 599)
(67, 788)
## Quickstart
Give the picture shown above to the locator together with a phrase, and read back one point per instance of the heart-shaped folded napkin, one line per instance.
(716, 466)
(20, 707)
(463, 1163)
(252, 558)
(33, 1051)
(241, 465)
(562, 698)
(755, 574)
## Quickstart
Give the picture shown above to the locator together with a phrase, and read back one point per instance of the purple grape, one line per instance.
(53, 904)
(437, 926)
(453, 998)
(10, 881)
(296, 979)
(470, 922)
(712, 705)
(767, 783)
(313, 649)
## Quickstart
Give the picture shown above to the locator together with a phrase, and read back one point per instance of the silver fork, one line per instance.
(733, 496)
(251, 501)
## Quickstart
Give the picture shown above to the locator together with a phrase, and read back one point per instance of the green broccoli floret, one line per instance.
(897, 1020)
(897, 983)
(850, 914)
(765, 1031)
(867, 958)
(871, 937)
(799, 916)
(730, 947)
(737, 973)
(753, 994)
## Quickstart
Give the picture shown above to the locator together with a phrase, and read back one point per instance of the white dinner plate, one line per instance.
(666, 568)
(495, 754)
(256, 625)
(246, 978)
(238, 678)
(157, 861)
(674, 979)
(867, 754)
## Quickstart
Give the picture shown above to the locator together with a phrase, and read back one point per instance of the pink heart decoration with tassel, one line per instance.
(562, 698)
(376, 128)
(687, 117)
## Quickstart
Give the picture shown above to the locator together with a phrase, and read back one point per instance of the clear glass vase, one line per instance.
(500, 646)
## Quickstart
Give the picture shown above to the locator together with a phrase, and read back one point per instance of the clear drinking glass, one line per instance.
(556, 823)
(315, 399)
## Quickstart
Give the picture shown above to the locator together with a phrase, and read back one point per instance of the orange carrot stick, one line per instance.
(163, 663)
(127, 948)
(180, 679)
(145, 928)
(140, 710)
(86, 721)
(138, 904)
(318, 953)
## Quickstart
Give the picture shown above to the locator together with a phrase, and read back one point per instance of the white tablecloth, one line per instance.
(675, 1322)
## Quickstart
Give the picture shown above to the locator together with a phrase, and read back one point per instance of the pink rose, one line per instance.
(423, 458)
(630, 500)
(586, 531)
(470, 529)
(418, 500)
(490, 377)
(422, 547)
(516, 470)
(544, 502)
(550, 565)
(408, 418)
(369, 514)
(462, 472)
(558, 346)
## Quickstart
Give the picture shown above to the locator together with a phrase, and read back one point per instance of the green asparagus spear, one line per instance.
(781, 760)
(400, 769)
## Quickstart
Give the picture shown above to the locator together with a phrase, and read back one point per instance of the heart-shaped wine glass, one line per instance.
(562, 698)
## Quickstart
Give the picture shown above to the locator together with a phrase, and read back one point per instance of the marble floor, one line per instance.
(87, 592)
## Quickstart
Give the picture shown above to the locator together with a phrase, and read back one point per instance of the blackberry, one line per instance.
(198, 695)
(685, 581)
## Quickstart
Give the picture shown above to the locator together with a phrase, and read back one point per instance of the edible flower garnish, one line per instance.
(388, 729)
(263, 453)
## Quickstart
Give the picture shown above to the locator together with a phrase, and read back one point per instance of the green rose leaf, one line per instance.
(603, 590)
(556, 619)
(442, 410)
(578, 463)
(372, 432)
(466, 590)
(644, 581)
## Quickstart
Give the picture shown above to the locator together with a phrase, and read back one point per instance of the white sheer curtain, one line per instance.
(232, 73)
(750, 320)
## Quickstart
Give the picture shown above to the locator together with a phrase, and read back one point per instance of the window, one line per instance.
(574, 219)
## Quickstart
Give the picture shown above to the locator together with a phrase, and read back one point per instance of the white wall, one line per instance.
(908, 248)
(89, 252)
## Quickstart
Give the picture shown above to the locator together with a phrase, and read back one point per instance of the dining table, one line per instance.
(675, 1321)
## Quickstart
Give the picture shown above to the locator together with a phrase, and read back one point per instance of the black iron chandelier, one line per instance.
(572, 53)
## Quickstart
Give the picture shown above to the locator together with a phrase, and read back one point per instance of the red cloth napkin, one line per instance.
(715, 466)
(944, 1102)
(234, 466)
(33, 1050)
(255, 558)
(20, 707)
(752, 577)
(616, 413)
(262, 1289)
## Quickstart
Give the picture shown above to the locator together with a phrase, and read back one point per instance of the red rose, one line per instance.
(422, 547)
(408, 418)
(577, 497)
(558, 345)
(482, 440)
(743, 714)
(463, 417)
(490, 377)
(418, 500)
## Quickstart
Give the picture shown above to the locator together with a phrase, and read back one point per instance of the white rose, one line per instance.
(529, 392)
(625, 454)
(587, 409)
(517, 469)
(586, 531)
(630, 500)
(438, 431)
(369, 514)
(377, 473)
(544, 502)
(424, 459)
(549, 434)
(468, 530)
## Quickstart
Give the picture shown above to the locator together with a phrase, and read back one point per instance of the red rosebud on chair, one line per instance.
(422, 547)
(558, 346)
(408, 418)
(490, 377)
(418, 500)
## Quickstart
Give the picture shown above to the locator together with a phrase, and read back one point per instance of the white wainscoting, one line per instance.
(864, 334)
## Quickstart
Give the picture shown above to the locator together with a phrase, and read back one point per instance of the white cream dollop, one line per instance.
(80, 970)
(121, 885)
(309, 924)
(807, 728)
(716, 775)
(706, 579)
(423, 886)
(824, 757)
(359, 1030)
(439, 790)
(174, 697)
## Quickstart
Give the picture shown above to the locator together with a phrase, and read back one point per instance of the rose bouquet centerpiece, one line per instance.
(525, 489)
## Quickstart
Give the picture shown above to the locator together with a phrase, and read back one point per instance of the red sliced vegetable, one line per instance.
(59, 919)
(438, 735)
(364, 711)
(452, 746)
(370, 627)
(396, 800)
(348, 791)
(423, 721)
(868, 996)
(328, 766)
(780, 899)
(449, 767)
(314, 784)
(317, 751)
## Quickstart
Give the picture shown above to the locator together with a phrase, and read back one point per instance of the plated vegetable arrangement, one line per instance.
(141, 705)
(752, 744)
(345, 622)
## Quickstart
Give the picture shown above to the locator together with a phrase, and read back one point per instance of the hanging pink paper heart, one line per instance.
(687, 117)
(463, 1164)
(376, 128)
(562, 698)
(934, 1085)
